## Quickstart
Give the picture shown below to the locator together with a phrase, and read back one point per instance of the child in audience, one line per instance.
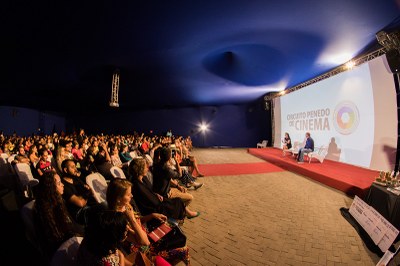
(119, 198)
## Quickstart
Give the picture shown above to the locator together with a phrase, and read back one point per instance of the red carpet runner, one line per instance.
(238, 168)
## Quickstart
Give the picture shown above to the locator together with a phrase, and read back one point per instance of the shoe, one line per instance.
(197, 185)
(200, 175)
(191, 217)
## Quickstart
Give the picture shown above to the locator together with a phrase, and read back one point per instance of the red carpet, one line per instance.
(238, 168)
(352, 180)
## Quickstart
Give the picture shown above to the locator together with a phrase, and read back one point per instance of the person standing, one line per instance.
(308, 147)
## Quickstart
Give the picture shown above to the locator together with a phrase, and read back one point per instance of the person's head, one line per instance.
(113, 149)
(138, 167)
(308, 134)
(105, 232)
(287, 135)
(21, 150)
(68, 167)
(50, 184)
(124, 148)
(43, 154)
(119, 193)
(76, 145)
(165, 154)
(33, 149)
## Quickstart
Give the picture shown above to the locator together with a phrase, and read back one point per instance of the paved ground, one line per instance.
(270, 219)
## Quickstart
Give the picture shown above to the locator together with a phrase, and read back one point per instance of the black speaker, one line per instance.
(393, 59)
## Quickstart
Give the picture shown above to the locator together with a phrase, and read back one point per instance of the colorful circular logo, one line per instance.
(346, 118)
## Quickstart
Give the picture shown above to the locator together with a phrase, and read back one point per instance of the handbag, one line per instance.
(176, 238)
(160, 232)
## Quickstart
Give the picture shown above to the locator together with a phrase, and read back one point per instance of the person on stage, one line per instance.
(308, 147)
(287, 143)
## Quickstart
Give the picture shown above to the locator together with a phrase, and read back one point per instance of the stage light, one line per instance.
(203, 127)
(350, 64)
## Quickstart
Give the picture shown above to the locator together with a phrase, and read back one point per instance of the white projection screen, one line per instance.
(354, 113)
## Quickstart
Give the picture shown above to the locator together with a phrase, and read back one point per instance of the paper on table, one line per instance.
(381, 231)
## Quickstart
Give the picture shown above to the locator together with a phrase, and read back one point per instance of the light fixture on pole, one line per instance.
(115, 89)
(391, 43)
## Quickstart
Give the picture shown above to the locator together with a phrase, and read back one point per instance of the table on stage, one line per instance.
(385, 202)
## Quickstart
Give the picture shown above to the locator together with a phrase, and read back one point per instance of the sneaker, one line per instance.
(197, 185)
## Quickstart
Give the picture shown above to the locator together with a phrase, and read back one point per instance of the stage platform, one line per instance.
(350, 179)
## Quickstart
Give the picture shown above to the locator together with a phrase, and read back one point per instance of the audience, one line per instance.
(62, 203)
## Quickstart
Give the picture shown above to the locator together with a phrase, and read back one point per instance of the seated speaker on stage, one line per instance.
(308, 147)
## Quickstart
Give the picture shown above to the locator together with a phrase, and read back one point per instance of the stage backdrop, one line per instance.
(354, 113)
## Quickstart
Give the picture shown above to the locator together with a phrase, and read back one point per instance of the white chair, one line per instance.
(4, 169)
(319, 154)
(11, 158)
(26, 179)
(294, 150)
(98, 184)
(133, 154)
(117, 172)
(66, 254)
(262, 144)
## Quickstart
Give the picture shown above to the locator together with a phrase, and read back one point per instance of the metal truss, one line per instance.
(114, 90)
(342, 68)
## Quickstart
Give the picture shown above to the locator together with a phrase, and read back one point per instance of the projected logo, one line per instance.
(346, 118)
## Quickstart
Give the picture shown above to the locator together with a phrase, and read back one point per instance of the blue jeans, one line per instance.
(300, 157)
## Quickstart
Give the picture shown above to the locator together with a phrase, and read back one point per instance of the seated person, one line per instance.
(308, 147)
(105, 232)
(102, 162)
(166, 175)
(287, 143)
(43, 166)
(77, 194)
(21, 156)
(119, 198)
(150, 202)
(124, 154)
(116, 160)
(165, 179)
(51, 217)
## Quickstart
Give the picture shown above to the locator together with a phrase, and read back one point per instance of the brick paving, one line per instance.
(269, 219)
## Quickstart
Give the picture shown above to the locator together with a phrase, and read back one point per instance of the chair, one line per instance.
(66, 254)
(262, 144)
(133, 154)
(98, 184)
(4, 166)
(117, 172)
(27, 216)
(11, 158)
(26, 179)
(293, 150)
(319, 154)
